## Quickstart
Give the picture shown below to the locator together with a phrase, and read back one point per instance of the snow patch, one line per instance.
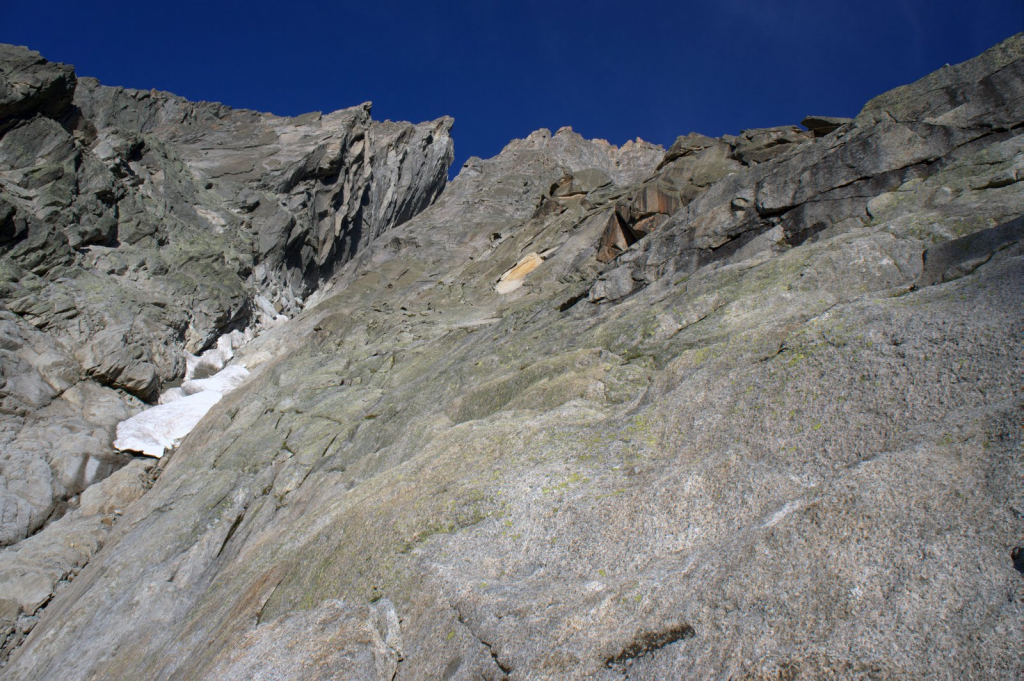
(162, 427)
(215, 359)
(222, 382)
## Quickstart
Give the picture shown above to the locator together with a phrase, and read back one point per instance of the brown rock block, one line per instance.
(616, 238)
(655, 198)
(648, 225)
(514, 276)
(823, 125)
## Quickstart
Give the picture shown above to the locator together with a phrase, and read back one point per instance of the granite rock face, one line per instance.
(138, 227)
(35, 569)
(29, 85)
(752, 410)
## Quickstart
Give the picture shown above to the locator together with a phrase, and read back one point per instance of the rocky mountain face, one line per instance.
(748, 408)
(137, 227)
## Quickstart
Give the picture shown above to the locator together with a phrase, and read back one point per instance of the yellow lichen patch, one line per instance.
(513, 277)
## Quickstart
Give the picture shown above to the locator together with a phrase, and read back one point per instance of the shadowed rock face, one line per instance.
(138, 226)
(773, 432)
(29, 85)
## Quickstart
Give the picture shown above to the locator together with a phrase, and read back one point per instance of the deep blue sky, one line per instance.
(615, 70)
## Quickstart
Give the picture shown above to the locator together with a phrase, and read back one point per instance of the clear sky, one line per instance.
(610, 69)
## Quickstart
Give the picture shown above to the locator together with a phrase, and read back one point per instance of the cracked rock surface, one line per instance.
(754, 414)
(137, 227)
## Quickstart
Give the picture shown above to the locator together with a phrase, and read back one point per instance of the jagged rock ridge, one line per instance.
(753, 411)
(137, 227)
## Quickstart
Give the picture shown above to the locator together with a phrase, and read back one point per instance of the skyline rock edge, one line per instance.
(753, 410)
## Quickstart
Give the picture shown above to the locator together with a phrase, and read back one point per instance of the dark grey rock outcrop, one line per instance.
(138, 226)
(30, 85)
(752, 411)
(807, 191)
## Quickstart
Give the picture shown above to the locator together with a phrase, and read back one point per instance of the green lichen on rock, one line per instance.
(753, 440)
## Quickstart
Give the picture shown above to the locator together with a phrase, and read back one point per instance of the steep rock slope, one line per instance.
(748, 409)
(138, 226)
